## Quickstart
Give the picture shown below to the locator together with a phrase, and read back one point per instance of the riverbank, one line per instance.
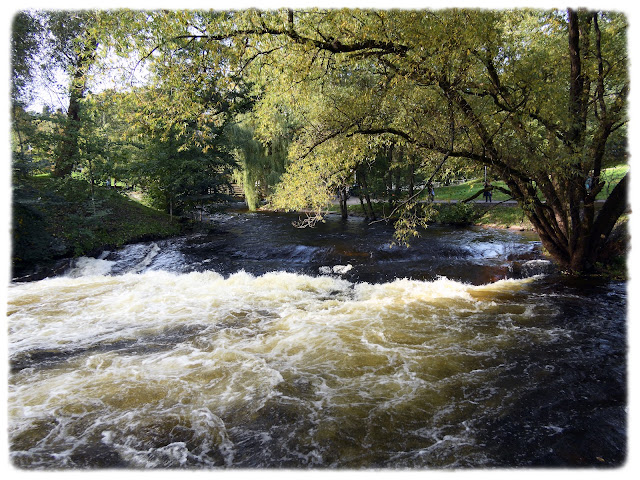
(495, 215)
(55, 219)
(509, 216)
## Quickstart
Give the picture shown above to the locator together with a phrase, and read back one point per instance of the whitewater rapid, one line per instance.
(259, 345)
(128, 362)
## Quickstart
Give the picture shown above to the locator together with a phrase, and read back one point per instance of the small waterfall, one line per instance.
(146, 261)
(87, 266)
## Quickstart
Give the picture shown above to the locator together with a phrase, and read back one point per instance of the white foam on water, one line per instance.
(146, 261)
(87, 266)
(204, 352)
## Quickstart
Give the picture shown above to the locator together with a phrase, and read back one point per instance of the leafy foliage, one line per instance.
(493, 87)
(26, 36)
(387, 99)
(457, 214)
(260, 166)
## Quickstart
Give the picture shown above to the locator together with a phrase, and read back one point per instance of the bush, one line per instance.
(457, 213)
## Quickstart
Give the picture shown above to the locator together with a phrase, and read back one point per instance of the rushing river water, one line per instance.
(261, 345)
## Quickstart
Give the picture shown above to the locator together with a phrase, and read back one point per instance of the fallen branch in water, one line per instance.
(309, 222)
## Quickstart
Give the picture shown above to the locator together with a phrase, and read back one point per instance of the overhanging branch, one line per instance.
(332, 45)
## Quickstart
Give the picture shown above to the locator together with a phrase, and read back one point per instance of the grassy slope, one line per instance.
(54, 218)
(505, 216)
(611, 176)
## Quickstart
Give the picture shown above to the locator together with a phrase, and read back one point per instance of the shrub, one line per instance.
(457, 213)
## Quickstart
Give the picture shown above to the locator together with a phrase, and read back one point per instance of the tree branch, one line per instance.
(331, 45)
(613, 207)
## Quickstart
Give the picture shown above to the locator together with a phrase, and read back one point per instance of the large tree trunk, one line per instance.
(343, 194)
(572, 234)
(68, 149)
(566, 220)
(615, 205)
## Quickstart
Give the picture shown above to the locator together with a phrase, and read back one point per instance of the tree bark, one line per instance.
(68, 150)
(343, 196)
(576, 80)
(615, 205)
(364, 187)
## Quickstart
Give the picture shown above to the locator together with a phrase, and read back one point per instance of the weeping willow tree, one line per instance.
(261, 165)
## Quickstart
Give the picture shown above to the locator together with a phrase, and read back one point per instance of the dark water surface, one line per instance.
(262, 345)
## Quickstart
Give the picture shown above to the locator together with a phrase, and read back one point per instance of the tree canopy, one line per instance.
(328, 95)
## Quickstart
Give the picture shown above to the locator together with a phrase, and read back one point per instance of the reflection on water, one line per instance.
(153, 357)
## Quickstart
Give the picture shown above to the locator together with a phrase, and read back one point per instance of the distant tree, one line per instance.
(105, 146)
(180, 178)
(79, 43)
(184, 113)
(261, 166)
(34, 140)
(26, 37)
(72, 45)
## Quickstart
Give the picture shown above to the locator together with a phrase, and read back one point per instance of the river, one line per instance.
(259, 345)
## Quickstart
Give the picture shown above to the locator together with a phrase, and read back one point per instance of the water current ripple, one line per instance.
(243, 350)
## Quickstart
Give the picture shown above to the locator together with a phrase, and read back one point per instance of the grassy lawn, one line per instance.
(467, 189)
(611, 177)
(504, 216)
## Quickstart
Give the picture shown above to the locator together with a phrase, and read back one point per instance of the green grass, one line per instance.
(54, 218)
(504, 216)
(611, 177)
(465, 190)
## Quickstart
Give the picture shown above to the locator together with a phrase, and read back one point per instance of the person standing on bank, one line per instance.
(487, 191)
